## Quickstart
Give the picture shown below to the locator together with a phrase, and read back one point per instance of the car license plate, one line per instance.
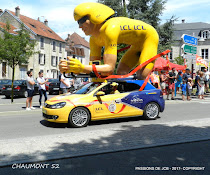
(55, 88)
(9, 89)
(44, 111)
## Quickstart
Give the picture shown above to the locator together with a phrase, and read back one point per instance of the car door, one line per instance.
(107, 105)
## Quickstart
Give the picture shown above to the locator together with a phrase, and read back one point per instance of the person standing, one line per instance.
(178, 81)
(171, 83)
(64, 84)
(206, 80)
(42, 89)
(185, 77)
(201, 85)
(30, 89)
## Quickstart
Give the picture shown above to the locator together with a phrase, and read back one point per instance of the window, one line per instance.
(60, 47)
(54, 45)
(170, 54)
(205, 53)
(205, 34)
(4, 69)
(53, 61)
(42, 59)
(41, 43)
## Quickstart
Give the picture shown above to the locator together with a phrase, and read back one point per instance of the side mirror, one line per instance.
(100, 93)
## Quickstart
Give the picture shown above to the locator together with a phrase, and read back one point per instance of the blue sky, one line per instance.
(59, 13)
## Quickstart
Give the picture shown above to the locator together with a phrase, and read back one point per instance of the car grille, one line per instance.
(47, 116)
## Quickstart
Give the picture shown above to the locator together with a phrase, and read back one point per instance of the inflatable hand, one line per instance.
(63, 66)
(75, 66)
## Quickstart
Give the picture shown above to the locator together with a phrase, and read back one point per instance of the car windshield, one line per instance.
(17, 82)
(5, 81)
(87, 88)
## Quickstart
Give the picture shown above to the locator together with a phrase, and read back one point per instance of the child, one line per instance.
(189, 85)
(184, 89)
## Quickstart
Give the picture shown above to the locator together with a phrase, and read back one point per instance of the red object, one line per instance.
(162, 64)
(17, 87)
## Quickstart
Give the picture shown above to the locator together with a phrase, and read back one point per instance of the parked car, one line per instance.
(2, 83)
(54, 86)
(95, 101)
(50, 80)
(20, 89)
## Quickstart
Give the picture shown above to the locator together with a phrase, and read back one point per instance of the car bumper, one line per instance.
(60, 115)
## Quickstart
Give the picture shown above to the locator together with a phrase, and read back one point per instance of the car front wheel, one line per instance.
(79, 117)
(151, 111)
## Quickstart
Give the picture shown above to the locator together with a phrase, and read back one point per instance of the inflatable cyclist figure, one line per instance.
(106, 31)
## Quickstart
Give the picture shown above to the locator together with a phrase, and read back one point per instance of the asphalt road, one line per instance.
(16, 122)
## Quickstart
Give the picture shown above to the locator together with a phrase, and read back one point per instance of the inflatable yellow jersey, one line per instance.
(142, 37)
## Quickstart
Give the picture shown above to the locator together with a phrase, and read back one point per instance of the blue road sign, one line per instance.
(190, 39)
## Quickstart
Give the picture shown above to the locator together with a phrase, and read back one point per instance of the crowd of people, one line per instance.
(183, 82)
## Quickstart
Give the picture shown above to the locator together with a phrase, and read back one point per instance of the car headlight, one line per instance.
(57, 105)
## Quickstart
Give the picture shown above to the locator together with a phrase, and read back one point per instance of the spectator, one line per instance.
(178, 81)
(190, 87)
(42, 89)
(64, 84)
(183, 87)
(201, 85)
(30, 89)
(171, 83)
(185, 77)
(206, 80)
(163, 79)
(196, 82)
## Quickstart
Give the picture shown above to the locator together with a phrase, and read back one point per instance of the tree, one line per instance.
(16, 49)
(165, 32)
(179, 60)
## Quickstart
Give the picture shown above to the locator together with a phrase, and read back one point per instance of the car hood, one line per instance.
(69, 98)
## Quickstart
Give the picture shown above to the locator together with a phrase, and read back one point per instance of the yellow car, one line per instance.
(105, 100)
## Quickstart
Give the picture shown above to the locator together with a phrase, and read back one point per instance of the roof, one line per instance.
(192, 26)
(78, 40)
(38, 27)
(12, 28)
(192, 29)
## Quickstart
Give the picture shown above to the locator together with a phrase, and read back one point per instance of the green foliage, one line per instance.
(15, 49)
(165, 32)
(148, 11)
(179, 60)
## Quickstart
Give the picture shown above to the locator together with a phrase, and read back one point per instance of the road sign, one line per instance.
(186, 56)
(190, 39)
(189, 49)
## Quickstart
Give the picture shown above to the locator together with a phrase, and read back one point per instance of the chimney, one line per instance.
(17, 11)
(1, 11)
(46, 22)
(69, 36)
(38, 19)
(183, 20)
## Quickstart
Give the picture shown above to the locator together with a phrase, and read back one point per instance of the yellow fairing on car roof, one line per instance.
(97, 12)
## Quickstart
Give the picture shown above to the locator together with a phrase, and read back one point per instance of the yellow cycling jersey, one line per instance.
(123, 30)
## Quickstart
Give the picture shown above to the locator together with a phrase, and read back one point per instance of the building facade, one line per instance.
(199, 30)
(51, 47)
(78, 47)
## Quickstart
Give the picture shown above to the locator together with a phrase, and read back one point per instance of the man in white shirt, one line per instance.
(42, 89)
(64, 85)
(30, 89)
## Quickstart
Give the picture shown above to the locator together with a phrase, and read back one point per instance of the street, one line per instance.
(25, 137)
